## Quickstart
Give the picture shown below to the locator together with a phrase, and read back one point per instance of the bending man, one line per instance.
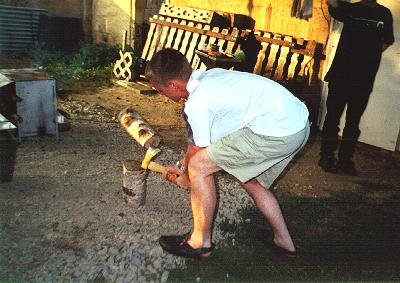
(242, 123)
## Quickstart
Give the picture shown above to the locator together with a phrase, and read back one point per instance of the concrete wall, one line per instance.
(271, 15)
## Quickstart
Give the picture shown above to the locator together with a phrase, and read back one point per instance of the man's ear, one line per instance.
(177, 84)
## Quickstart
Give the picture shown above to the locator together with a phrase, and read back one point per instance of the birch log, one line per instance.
(134, 184)
(138, 128)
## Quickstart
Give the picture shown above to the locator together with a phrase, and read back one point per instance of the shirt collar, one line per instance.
(194, 80)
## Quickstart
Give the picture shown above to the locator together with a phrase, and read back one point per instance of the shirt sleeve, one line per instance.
(189, 132)
(388, 35)
(342, 12)
(199, 121)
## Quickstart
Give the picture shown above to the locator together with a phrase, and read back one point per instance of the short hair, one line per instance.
(168, 64)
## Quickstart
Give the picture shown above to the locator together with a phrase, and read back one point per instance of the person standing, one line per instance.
(239, 122)
(367, 32)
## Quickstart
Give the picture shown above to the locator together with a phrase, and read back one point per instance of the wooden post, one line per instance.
(134, 184)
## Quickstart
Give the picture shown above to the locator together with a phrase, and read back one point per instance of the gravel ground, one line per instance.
(64, 215)
(64, 218)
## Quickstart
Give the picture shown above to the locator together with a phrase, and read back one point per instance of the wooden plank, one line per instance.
(278, 74)
(261, 54)
(163, 37)
(272, 58)
(213, 39)
(171, 35)
(179, 34)
(197, 64)
(136, 87)
(186, 39)
(186, 13)
(306, 68)
(294, 63)
(222, 42)
(309, 49)
(212, 18)
(221, 36)
(149, 38)
(155, 41)
(302, 60)
(193, 29)
(193, 44)
(231, 44)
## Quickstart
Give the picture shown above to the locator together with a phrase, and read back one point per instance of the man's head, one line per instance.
(169, 71)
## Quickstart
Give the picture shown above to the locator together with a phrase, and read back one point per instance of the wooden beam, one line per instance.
(217, 35)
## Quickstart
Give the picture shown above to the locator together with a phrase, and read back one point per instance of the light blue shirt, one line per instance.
(221, 102)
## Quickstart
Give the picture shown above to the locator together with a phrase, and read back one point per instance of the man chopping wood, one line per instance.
(242, 123)
(367, 32)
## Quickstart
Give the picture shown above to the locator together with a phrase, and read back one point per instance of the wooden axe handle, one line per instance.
(156, 167)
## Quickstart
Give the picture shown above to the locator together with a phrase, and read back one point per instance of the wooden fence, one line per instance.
(281, 57)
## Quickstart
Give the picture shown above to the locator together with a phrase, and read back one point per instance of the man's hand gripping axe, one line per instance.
(153, 166)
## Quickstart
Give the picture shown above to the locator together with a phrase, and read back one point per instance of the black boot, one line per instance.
(347, 166)
(328, 163)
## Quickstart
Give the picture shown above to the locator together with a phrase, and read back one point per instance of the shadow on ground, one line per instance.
(349, 236)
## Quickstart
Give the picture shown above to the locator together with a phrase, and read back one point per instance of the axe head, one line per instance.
(150, 153)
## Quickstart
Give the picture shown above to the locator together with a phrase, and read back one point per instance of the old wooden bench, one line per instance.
(281, 57)
(294, 62)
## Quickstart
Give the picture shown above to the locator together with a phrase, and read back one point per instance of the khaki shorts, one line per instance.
(247, 155)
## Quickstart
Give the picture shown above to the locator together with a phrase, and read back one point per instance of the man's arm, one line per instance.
(388, 34)
(339, 9)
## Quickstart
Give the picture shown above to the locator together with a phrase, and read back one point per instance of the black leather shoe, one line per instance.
(178, 245)
(347, 166)
(281, 251)
(328, 164)
(174, 239)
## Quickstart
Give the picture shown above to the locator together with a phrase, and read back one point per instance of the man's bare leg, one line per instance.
(269, 207)
(202, 198)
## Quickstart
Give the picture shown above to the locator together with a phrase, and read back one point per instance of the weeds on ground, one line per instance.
(91, 62)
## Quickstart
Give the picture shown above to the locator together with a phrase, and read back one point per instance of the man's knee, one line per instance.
(252, 187)
(201, 165)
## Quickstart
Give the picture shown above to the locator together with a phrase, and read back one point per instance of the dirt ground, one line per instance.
(376, 166)
(63, 217)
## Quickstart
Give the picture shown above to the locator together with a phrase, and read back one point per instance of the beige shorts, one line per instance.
(247, 155)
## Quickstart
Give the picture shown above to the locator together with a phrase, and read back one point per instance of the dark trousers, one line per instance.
(338, 97)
